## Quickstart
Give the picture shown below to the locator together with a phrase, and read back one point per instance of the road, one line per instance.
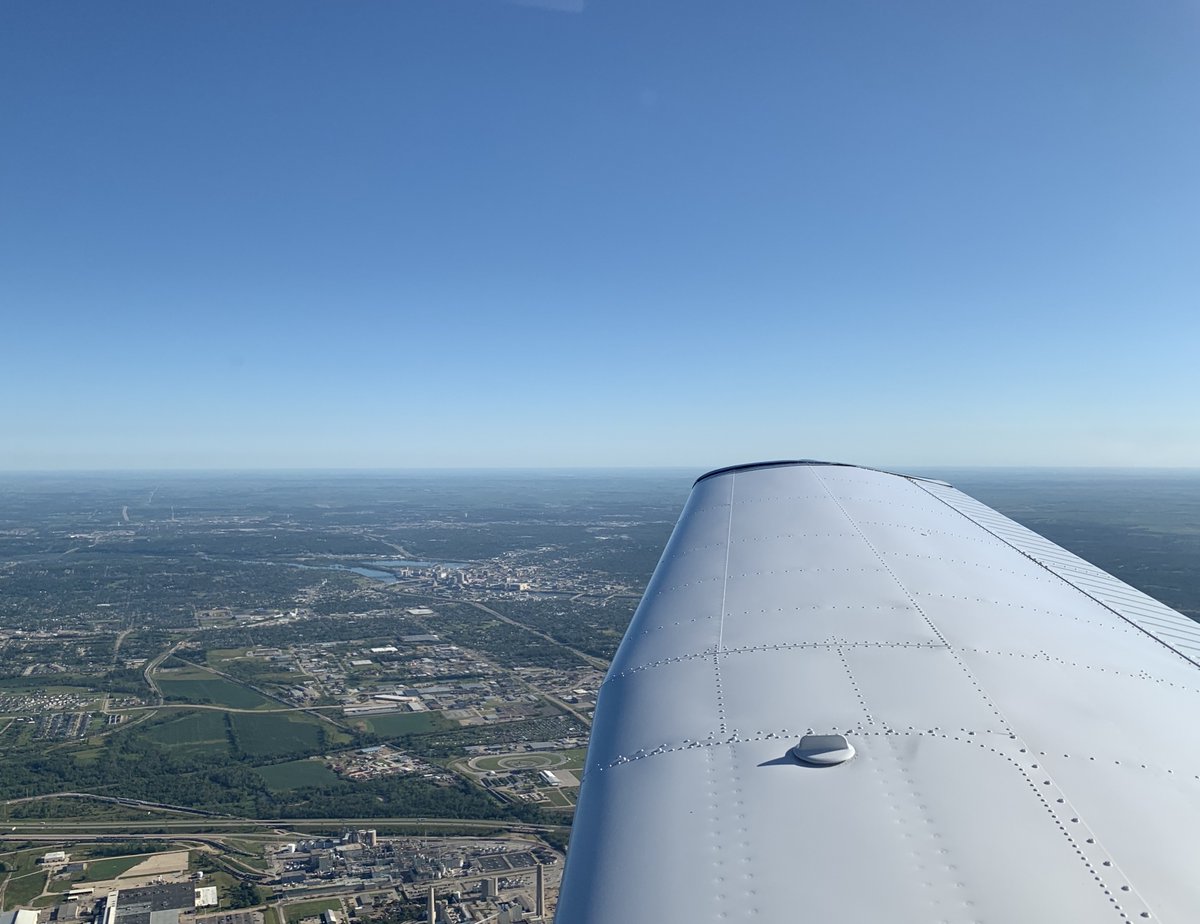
(598, 663)
(215, 708)
(117, 645)
(152, 666)
(116, 800)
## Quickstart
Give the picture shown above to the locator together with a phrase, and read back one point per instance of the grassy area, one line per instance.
(296, 774)
(274, 735)
(191, 729)
(200, 687)
(110, 868)
(393, 724)
(224, 883)
(23, 861)
(69, 808)
(216, 656)
(575, 758)
(280, 678)
(87, 755)
(558, 798)
(311, 909)
(22, 688)
(257, 861)
(24, 888)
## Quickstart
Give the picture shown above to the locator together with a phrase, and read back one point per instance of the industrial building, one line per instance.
(155, 904)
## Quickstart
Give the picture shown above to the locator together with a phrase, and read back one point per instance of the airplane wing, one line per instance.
(849, 695)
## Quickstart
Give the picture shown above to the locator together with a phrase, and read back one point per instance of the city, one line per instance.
(341, 707)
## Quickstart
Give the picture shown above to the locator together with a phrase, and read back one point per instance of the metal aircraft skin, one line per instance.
(1019, 727)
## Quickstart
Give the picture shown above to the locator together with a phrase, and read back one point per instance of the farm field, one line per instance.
(201, 687)
(275, 735)
(203, 728)
(296, 774)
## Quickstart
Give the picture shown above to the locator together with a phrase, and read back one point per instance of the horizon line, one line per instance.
(366, 470)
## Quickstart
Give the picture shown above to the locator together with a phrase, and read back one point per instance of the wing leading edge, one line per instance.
(1019, 720)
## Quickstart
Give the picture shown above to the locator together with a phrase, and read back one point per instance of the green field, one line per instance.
(22, 861)
(87, 755)
(191, 729)
(274, 735)
(407, 723)
(296, 774)
(215, 656)
(110, 868)
(576, 758)
(198, 687)
(23, 889)
(559, 798)
(311, 909)
(252, 852)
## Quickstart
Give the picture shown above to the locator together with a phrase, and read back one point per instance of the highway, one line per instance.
(117, 800)
(598, 663)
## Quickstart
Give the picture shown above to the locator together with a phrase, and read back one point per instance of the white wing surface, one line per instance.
(1022, 723)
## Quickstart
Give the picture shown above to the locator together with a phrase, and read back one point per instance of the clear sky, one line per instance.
(377, 233)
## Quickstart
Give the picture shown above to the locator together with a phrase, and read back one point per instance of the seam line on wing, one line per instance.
(776, 572)
(932, 646)
(1144, 676)
(1058, 614)
(974, 681)
(788, 736)
(858, 693)
(725, 577)
(716, 655)
(919, 832)
(718, 840)
(779, 646)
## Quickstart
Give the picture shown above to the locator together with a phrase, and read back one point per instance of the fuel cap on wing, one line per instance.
(823, 750)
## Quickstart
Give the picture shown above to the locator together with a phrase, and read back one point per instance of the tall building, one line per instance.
(539, 895)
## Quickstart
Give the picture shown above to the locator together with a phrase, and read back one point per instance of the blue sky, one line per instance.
(393, 233)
